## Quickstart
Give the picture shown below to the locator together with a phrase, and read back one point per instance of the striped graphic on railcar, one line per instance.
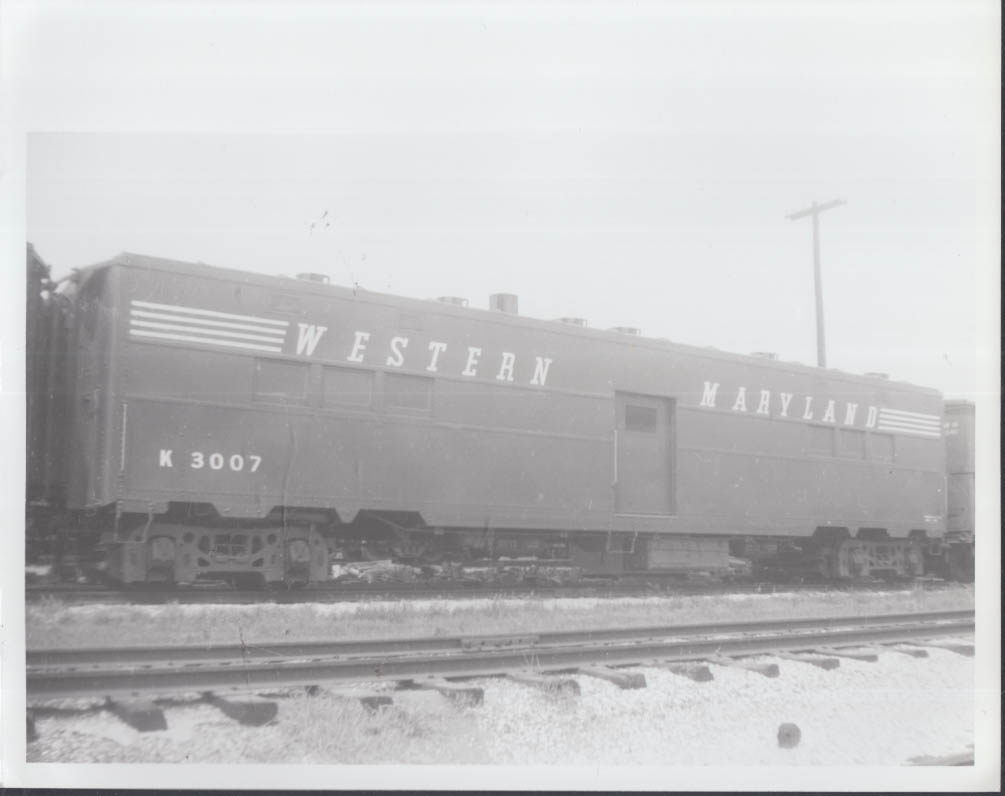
(898, 421)
(150, 320)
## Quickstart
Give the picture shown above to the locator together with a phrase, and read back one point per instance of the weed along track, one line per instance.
(248, 683)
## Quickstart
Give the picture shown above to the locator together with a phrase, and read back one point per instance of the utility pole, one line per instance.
(815, 210)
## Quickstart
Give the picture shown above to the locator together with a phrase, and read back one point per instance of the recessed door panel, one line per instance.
(644, 454)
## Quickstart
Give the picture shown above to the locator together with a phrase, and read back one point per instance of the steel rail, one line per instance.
(243, 675)
(135, 655)
(127, 656)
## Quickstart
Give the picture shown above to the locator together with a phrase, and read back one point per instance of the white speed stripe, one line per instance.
(208, 313)
(163, 316)
(153, 321)
(193, 339)
(173, 327)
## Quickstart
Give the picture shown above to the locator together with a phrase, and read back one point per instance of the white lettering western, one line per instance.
(506, 367)
(870, 420)
(308, 338)
(807, 413)
(541, 370)
(786, 400)
(849, 414)
(358, 346)
(762, 406)
(437, 349)
(473, 354)
(165, 460)
(397, 358)
(829, 413)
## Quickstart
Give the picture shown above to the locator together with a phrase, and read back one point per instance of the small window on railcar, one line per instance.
(414, 393)
(851, 443)
(881, 447)
(281, 382)
(641, 418)
(820, 440)
(347, 387)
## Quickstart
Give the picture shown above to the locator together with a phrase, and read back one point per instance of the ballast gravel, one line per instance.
(862, 713)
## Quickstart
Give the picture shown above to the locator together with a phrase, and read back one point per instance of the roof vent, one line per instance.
(573, 321)
(309, 277)
(457, 301)
(503, 302)
(877, 375)
(765, 355)
(633, 330)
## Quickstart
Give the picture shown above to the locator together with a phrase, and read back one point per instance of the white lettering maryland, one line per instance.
(786, 400)
(358, 346)
(829, 413)
(309, 337)
(437, 349)
(708, 394)
(541, 370)
(506, 367)
(762, 406)
(165, 460)
(397, 358)
(870, 420)
(807, 413)
(740, 404)
(473, 354)
(849, 414)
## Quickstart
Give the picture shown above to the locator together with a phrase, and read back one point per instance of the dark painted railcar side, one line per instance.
(203, 420)
(960, 464)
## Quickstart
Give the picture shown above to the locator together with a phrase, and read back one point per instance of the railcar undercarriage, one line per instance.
(297, 547)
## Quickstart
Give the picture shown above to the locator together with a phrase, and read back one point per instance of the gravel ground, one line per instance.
(862, 713)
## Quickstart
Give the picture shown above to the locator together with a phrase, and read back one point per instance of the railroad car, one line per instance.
(959, 431)
(196, 422)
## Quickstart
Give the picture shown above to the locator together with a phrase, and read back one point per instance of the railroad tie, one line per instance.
(371, 700)
(904, 649)
(553, 685)
(623, 680)
(819, 661)
(249, 712)
(852, 654)
(140, 714)
(914, 653)
(699, 672)
(767, 669)
(966, 650)
(455, 692)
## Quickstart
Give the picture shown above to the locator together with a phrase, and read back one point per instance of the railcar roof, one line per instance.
(286, 283)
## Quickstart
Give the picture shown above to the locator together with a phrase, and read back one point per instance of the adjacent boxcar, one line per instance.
(224, 422)
(960, 437)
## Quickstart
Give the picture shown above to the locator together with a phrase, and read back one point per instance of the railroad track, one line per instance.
(128, 678)
(88, 594)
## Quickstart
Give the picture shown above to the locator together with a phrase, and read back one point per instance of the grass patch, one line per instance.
(52, 624)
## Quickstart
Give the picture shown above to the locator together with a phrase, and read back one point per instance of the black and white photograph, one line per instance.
(531, 396)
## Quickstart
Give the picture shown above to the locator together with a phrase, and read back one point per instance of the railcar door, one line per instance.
(643, 479)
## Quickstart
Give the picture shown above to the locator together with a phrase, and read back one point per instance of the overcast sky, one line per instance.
(629, 165)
